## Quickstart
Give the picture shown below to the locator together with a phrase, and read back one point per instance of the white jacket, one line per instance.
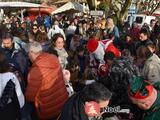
(55, 29)
(4, 78)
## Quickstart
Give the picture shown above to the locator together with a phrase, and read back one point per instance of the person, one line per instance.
(152, 24)
(112, 30)
(58, 45)
(146, 96)
(43, 39)
(128, 43)
(151, 63)
(134, 30)
(46, 87)
(98, 48)
(143, 38)
(55, 29)
(35, 31)
(70, 33)
(16, 55)
(11, 96)
(103, 68)
(120, 71)
(94, 94)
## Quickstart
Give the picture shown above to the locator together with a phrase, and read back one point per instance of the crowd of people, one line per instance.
(61, 69)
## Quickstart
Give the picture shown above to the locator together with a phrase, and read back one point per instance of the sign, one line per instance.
(96, 13)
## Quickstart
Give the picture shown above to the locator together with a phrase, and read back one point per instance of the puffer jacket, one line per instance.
(46, 87)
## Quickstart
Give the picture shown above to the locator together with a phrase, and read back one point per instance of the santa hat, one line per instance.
(113, 49)
(92, 44)
(140, 88)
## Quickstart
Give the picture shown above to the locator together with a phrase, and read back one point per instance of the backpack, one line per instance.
(9, 104)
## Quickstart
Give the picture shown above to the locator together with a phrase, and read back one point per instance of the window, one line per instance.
(139, 20)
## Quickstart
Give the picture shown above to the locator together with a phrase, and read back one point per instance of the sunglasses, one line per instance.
(35, 28)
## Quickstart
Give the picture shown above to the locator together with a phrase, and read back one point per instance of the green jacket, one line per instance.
(154, 112)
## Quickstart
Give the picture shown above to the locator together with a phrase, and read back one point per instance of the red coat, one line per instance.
(46, 86)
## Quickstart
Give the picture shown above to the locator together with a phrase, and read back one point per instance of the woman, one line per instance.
(112, 30)
(58, 45)
(11, 96)
(151, 62)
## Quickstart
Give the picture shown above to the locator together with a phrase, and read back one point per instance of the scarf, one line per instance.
(62, 55)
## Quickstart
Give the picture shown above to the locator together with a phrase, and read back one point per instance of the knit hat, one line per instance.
(140, 88)
(92, 44)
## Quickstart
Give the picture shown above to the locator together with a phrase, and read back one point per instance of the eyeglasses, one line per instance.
(35, 28)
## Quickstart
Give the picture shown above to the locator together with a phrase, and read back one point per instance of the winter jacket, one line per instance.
(18, 57)
(151, 69)
(46, 87)
(4, 78)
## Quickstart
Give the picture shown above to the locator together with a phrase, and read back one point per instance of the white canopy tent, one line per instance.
(19, 5)
(71, 7)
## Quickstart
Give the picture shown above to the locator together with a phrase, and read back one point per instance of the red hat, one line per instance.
(92, 44)
(113, 49)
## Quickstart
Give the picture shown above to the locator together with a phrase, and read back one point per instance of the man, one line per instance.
(15, 53)
(152, 24)
(46, 87)
(119, 72)
(86, 104)
(143, 38)
(146, 96)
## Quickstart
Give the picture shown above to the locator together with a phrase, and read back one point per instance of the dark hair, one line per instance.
(126, 52)
(152, 20)
(96, 92)
(42, 37)
(80, 48)
(143, 52)
(109, 56)
(7, 35)
(145, 31)
(4, 64)
(129, 35)
(56, 36)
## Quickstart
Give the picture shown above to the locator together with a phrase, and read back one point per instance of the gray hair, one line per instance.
(35, 47)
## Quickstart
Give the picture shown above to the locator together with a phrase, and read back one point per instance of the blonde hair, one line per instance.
(110, 23)
(35, 47)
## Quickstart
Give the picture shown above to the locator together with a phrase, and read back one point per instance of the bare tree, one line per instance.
(148, 6)
(119, 9)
